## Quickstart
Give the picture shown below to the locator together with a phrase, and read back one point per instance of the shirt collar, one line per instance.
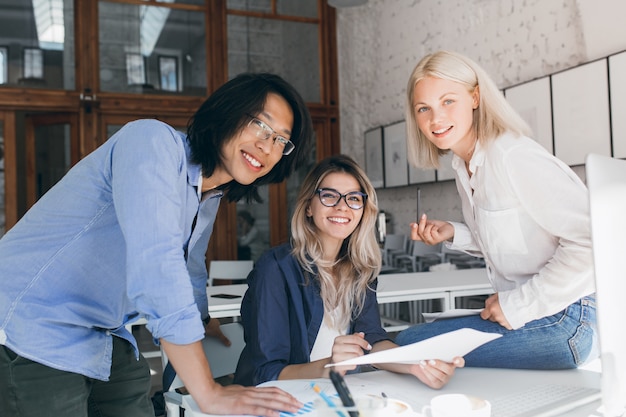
(478, 159)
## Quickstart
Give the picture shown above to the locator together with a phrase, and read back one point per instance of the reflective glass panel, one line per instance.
(290, 49)
(52, 155)
(2, 191)
(4, 63)
(306, 8)
(253, 227)
(295, 180)
(152, 33)
(37, 44)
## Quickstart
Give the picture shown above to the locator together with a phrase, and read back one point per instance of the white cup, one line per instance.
(367, 406)
(457, 405)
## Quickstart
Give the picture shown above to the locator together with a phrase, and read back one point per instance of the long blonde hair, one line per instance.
(343, 281)
(492, 118)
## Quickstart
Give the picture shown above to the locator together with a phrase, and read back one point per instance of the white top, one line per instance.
(323, 346)
(527, 213)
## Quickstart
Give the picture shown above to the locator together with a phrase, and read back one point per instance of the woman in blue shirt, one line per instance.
(124, 235)
(313, 302)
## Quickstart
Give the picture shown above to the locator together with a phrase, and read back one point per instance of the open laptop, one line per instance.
(606, 180)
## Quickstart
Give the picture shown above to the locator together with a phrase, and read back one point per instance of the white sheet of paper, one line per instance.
(448, 314)
(444, 347)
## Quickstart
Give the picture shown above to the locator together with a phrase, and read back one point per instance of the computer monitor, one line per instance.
(606, 181)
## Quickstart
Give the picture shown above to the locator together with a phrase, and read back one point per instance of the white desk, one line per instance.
(446, 285)
(392, 288)
(481, 382)
(226, 307)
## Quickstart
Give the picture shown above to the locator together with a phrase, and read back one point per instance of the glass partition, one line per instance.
(283, 7)
(149, 49)
(37, 44)
(290, 49)
(52, 155)
(2, 185)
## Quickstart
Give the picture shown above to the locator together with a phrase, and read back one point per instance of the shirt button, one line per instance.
(108, 333)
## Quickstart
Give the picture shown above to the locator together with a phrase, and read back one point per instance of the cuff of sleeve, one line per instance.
(181, 328)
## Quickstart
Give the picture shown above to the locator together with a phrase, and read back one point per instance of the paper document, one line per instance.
(458, 312)
(444, 347)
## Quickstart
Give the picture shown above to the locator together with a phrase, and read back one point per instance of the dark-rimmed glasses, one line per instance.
(264, 132)
(331, 197)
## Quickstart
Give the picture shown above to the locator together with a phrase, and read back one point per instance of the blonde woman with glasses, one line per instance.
(313, 302)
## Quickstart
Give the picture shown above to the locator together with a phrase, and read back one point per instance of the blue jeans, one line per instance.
(562, 341)
(30, 389)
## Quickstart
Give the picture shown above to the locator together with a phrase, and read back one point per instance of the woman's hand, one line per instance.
(348, 347)
(213, 329)
(493, 312)
(436, 373)
(431, 232)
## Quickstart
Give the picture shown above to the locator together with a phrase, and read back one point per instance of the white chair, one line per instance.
(395, 244)
(229, 270)
(420, 256)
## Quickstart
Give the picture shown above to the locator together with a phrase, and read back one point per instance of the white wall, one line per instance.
(514, 40)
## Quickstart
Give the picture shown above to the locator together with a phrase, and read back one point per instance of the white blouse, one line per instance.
(323, 346)
(527, 214)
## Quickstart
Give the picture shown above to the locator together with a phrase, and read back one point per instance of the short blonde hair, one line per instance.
(492, 118)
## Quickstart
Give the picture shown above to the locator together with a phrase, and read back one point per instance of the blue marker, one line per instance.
(325, 397)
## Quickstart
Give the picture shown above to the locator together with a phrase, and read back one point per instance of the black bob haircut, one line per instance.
(225, 112)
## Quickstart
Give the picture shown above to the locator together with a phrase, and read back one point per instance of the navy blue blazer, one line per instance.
(281, 315)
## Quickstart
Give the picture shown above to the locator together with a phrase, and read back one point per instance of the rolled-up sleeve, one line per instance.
(150, 193)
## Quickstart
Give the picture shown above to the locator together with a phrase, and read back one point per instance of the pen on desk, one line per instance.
(325, 397)
(343, 391)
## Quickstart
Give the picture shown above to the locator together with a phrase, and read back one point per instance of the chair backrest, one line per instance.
(231, 270)
(421, 249)
(222, 359)
(394, 243)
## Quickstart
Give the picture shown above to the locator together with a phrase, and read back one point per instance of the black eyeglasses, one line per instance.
(263, 131)
(331, 197)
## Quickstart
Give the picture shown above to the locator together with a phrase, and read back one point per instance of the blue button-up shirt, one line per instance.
(111, 242)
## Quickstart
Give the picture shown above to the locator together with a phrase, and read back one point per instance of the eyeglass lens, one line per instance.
(263, 131)
(330, 198)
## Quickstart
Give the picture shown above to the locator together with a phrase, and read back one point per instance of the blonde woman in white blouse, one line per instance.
(525, 212)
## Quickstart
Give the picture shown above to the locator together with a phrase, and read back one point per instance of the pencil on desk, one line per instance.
(325, 397)
(419, 197)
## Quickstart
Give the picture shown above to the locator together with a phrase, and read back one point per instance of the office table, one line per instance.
(480, 382)
(225, 307)
(392, 288)
(446, 285)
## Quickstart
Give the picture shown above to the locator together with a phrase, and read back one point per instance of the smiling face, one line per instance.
(246, 156)
(335, 224)
(444, 113)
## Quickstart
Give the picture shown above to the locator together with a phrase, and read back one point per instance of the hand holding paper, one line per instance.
(444, 347)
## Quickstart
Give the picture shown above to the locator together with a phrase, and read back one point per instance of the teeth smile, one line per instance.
(440, 131)
(252, 161)
(338, 220)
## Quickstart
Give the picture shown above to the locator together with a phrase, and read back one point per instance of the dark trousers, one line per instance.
(29, 389)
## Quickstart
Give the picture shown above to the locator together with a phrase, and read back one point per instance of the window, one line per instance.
(33, 63)
(4, 65)
(135, 70)
(168, 73)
